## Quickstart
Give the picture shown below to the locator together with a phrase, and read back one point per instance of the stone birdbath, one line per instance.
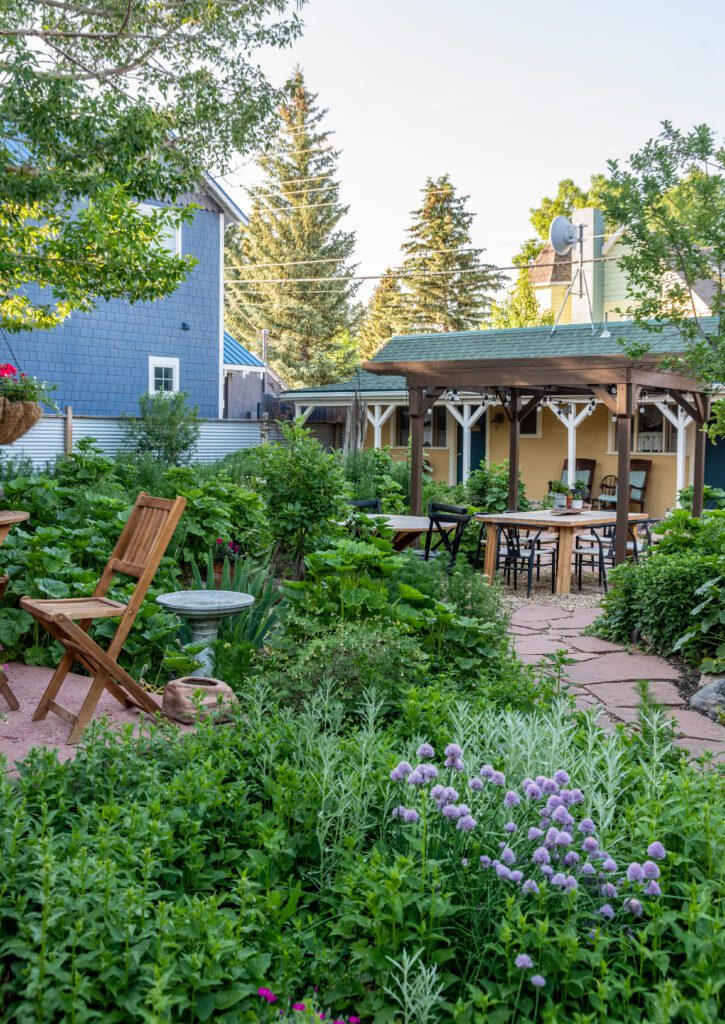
(204, 610)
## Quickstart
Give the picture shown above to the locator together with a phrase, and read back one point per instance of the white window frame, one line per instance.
(538, 434)
(171, 237)
(634, 447)
(163, 362)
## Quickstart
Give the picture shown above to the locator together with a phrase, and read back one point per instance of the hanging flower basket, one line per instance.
(20, 399)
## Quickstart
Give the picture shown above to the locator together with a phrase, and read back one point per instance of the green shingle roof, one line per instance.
(513, 343)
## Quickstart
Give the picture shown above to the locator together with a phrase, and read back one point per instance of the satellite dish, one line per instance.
(562, 235)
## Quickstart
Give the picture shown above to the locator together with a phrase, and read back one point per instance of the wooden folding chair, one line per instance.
(4, 684)
(138, 552)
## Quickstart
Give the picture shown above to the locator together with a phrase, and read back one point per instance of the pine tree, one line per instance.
(385, 316)
(446, 284)
(520, 308)
(293, 233)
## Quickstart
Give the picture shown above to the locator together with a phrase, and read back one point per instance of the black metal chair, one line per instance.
(644, 530)
(519, 551)
(598, 546)
(440, 539)
(367, 505)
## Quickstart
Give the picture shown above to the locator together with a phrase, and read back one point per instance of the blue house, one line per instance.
(104, 360)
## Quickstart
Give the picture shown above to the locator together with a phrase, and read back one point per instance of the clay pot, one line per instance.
(197, 697)
(16, 418)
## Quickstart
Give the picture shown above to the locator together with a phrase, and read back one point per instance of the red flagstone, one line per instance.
(696, 726)
(615, 668)
(625, 694)
(593, 644)
(538, 644)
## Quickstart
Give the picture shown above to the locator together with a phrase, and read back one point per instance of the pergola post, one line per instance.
(514, 448)
(625, 413)
(417, 409)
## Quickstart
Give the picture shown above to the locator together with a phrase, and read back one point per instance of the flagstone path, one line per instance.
(606, 674)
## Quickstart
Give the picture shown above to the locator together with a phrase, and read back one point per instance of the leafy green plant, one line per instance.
(706, 638)
(167, 429)
(713, 497)
(488, 488)
(18, 387)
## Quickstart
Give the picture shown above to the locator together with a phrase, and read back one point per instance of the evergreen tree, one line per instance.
(384, 316)
(293, 233)
(446, 284)
(520, 308)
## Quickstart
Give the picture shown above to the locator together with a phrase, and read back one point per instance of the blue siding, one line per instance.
(100, 359)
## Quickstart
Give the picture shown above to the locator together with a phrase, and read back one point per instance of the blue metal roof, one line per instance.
(236, 354)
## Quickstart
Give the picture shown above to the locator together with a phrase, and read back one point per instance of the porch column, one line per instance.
(378, 417)
(680, 421)
(466, 418)
(303, 411)
(625, 412)
(699, 410)
(514, 446)
(571, 421)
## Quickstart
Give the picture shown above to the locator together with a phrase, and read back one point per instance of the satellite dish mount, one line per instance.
(563, 237)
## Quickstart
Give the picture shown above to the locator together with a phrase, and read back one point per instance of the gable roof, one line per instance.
(237, 355)
(550, 267)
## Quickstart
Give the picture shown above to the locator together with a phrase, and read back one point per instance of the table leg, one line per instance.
(489, 563)
(563, 566)
(403, 539)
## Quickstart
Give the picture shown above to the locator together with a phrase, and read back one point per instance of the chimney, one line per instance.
(593, 223)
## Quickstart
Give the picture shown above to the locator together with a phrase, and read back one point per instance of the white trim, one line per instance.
(571, 420)
(163, 361)
(469, 414)
(220, 411)
(241, 368)
(377, 418)
(230, 210)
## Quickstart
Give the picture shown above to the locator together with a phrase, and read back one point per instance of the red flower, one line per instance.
(7, 370)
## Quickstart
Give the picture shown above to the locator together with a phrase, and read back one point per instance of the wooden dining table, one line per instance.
(564, 526)
(8, 518)
(407, 529)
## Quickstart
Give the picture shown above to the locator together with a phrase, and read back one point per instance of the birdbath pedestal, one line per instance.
(204, 610)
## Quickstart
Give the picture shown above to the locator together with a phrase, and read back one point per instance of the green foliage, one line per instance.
(385, 315)
(520, 308)
(308, 323)
(681, 531)
(713, 497)
(671, 199)
(488, 488)
(707, 635)
(569, 197)
(18, 387)
(102, 105)
(371, 473)
(166, 430)
(303, 488)
(448, 286)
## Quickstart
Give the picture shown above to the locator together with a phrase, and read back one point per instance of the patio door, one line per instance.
(478, 446)
(715, 463)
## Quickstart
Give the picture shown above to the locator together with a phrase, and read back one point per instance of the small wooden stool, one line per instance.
(4, 684)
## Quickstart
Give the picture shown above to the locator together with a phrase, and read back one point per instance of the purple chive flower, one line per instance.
(572, 857)
(508, 856)
(564, 839)
(486, 772)
(425, 750)
(450, 794)
(562, 816)
(548, 786)
(576, 797)
(524, 962)
(650, 869)
(606, 911)
(570, 883)
(561, 777)
(510, 826)
(516, 876)
(540, 780)
(454, 757)
(416, 779)
(635, 873)
(450, 811)
(545, 822)
(538, 980)
(587, 826)
(530, 886)
(464, 862)
(437, 791)
(533, 792)
(485, 861)
(587, 869)
(397, 812)
(590, 845)
(546, 869)
(498, 779)
(559, 879)
(541, 855)
(475, 784)
(635, 907)
(652, 889)
(410, 815)
(511, 799)
(608, 890)
(609, 864)
(552, 835)
(553, 803)
(428, 771)
(453, 750)
(501, 870)
(656, 851)
(535, 833)
(466, 823)
(401, 771)
(525, 783)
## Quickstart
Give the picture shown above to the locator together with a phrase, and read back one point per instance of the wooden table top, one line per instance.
(545, 518)
(412, 524)
(8, 517)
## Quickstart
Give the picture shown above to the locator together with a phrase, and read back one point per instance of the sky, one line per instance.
(508, 98)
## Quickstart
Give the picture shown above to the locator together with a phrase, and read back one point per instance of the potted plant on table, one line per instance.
(579, 494)
(20, 402)
(561, 494)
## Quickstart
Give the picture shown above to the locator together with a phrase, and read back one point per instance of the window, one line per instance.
(163, 374)
(170, 238)
(434, 428)
(652, 433)
(530, 425)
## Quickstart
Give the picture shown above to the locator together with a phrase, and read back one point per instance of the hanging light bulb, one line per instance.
(641, 408)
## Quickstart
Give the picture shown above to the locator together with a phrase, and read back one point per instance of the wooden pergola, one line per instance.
(520, 384)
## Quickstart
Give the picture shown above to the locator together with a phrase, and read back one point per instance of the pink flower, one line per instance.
(268, 994)
(298, 1006)
(7, 370)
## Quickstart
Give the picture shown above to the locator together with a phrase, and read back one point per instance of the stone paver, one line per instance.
(605, 675)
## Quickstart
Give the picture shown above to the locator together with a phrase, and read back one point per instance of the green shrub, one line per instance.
(488, 488)
(167, 428)
(681, 531)
(371, 473)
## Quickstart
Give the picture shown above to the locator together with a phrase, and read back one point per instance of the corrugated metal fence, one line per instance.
(54, 435)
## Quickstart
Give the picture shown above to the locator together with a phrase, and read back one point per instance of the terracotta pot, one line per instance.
(16, 419)
(196, 697)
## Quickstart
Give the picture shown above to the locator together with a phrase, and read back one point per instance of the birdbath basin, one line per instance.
(204, 610)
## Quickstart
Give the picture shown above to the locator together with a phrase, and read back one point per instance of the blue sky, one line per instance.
(507, 97)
